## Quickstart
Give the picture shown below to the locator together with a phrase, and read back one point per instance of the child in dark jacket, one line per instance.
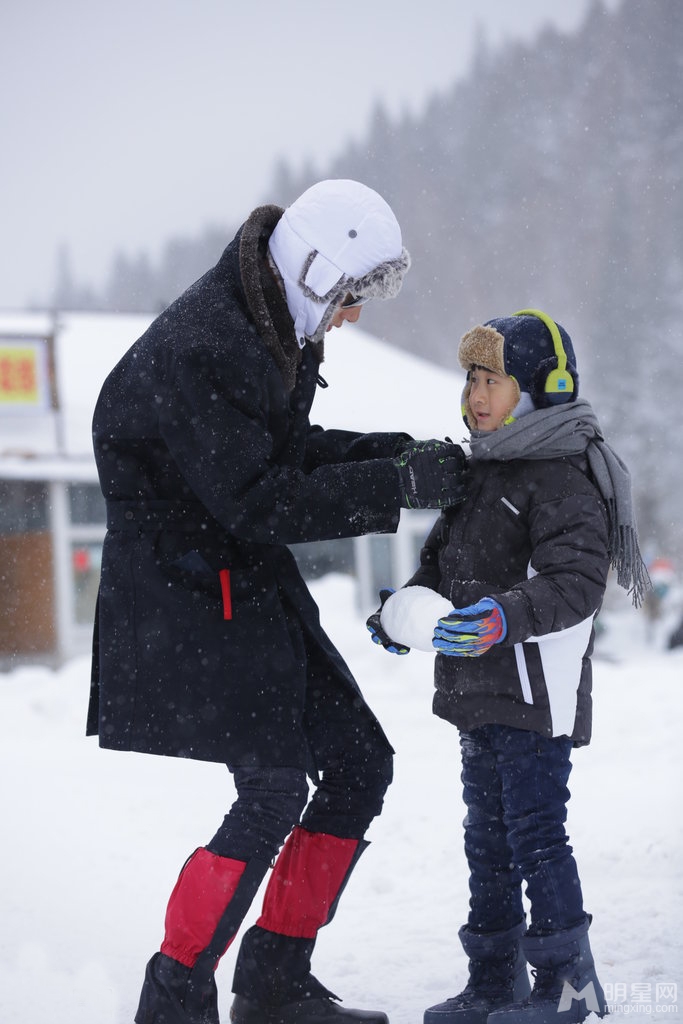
(506, 593)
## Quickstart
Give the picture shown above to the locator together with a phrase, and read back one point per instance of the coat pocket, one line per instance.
(192, 570)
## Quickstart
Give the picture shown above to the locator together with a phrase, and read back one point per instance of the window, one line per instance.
(86, 504)
(23, 506)
(86, 562)
(87, 516)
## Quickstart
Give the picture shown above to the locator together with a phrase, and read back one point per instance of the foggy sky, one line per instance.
(124, 124)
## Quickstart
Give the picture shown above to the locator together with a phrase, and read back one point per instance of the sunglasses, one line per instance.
(353, 300)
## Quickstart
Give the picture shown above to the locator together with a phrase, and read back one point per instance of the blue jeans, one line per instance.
(515, 790)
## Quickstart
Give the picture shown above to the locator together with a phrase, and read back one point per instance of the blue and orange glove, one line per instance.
(378, 634)
(469, 632)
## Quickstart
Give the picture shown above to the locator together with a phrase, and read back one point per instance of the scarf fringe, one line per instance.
(627, 562)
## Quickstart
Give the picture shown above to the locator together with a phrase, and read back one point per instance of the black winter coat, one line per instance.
(533, 535)
(210, 467)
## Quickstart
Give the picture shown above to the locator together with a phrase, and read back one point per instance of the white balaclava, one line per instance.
(338, 237)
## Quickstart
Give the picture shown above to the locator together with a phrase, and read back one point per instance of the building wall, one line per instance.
(27, 623)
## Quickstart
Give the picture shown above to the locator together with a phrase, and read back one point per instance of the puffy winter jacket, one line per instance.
(533, 535)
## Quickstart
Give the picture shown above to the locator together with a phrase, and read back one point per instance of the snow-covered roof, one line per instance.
(372, 386)
(48, 445)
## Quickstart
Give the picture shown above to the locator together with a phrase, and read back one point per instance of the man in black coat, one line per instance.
(207, 642)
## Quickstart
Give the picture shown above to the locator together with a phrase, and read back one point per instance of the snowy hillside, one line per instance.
(93, 841)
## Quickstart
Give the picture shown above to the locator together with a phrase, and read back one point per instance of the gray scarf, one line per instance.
(571, 430)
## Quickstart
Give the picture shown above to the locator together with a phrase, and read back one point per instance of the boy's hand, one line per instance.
(469, 632)
(377, 634)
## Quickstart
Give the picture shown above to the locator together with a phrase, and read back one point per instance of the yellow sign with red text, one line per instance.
(24, 379)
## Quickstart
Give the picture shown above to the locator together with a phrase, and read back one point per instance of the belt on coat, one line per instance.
(151, 516)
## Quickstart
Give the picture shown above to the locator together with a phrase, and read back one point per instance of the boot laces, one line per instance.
(492, 979)
(547, 985)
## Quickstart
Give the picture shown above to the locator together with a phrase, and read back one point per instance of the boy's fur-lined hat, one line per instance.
(339, 237)
(520, 347)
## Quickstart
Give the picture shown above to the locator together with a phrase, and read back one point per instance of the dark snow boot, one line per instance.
(275, 971)
(205, 910)
(273, 983)
(566, 987)
(318, 1010)
(498, 977)
(170, 995)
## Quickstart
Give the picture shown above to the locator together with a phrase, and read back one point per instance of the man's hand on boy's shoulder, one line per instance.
(432, 474)
(470, 632)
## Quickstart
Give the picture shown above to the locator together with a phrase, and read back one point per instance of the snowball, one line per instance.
(410, 615)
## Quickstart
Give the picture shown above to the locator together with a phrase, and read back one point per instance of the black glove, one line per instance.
(432, 474)
(377, 634)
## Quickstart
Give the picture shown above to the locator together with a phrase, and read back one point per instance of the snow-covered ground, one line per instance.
(92, 841)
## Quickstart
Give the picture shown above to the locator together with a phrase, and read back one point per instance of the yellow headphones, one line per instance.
(558, 382)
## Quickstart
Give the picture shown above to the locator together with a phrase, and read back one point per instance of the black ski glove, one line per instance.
(378, 634)
(432, 474)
